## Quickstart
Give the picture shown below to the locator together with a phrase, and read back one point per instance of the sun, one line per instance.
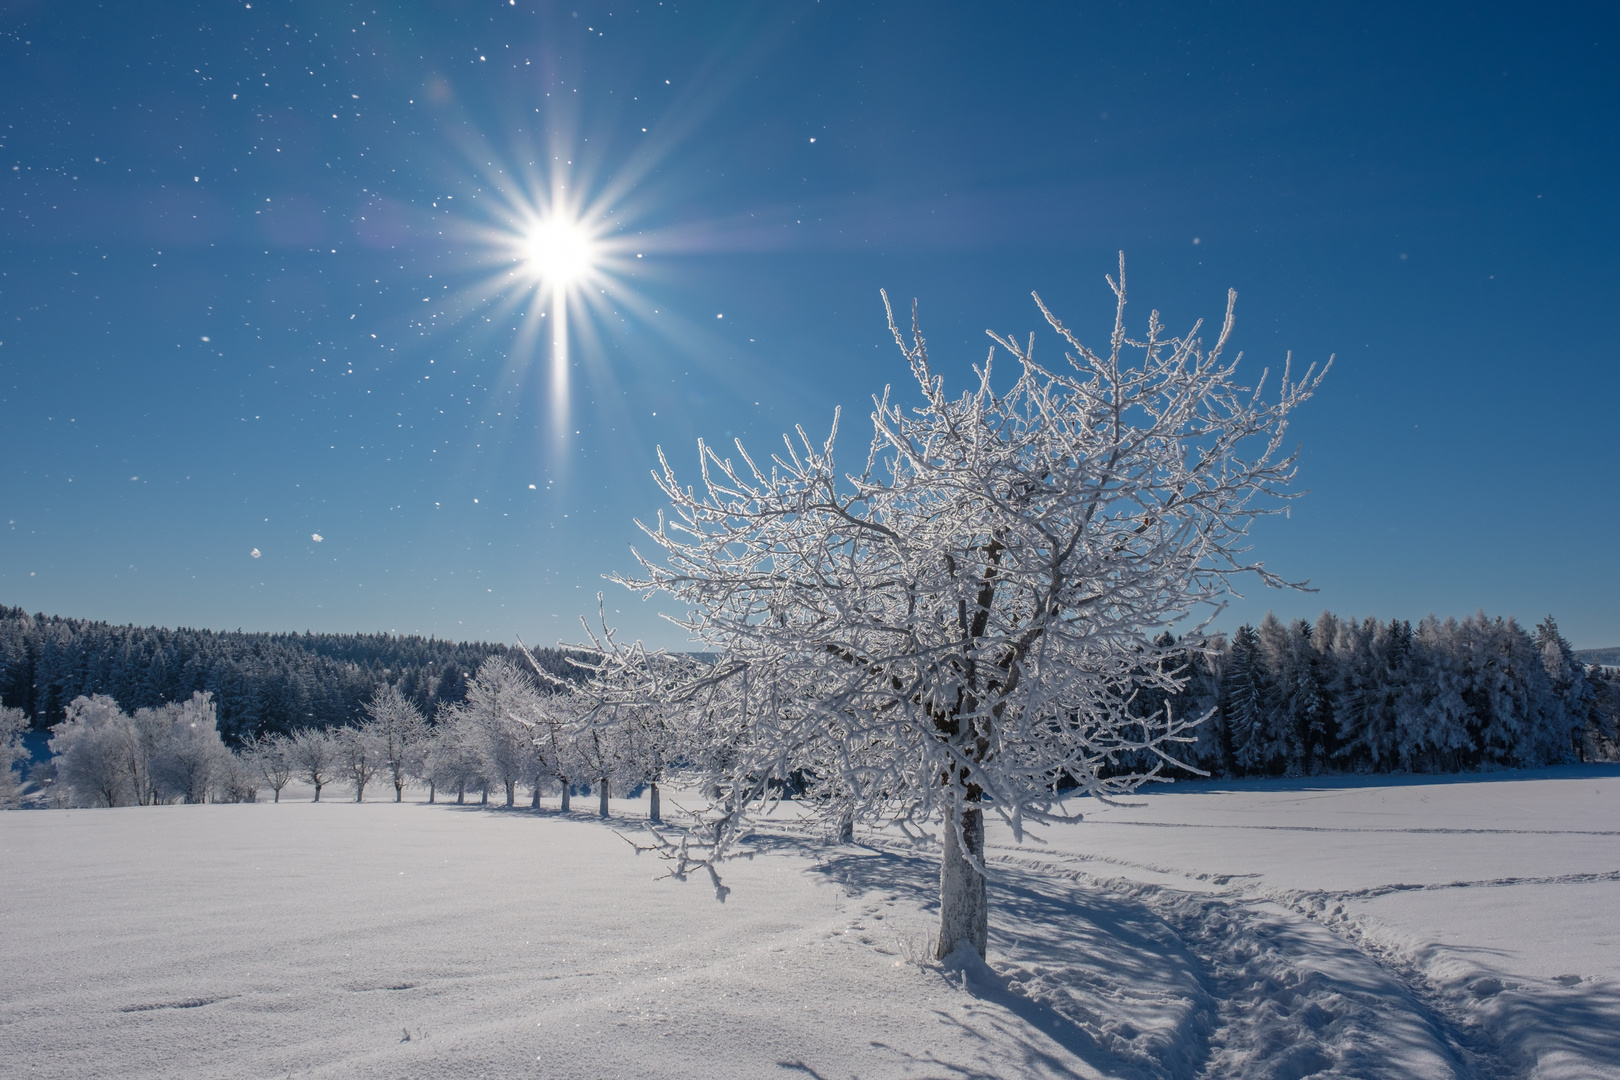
(557, 251)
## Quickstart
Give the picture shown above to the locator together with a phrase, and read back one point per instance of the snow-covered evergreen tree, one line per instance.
(1435, 724)
(1294, 713)
(1246, 706)
(1577, 702)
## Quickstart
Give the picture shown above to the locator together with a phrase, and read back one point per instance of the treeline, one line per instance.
(1366, 696)
(258, 682)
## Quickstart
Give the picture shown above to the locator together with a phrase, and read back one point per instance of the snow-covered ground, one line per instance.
(1336, 928)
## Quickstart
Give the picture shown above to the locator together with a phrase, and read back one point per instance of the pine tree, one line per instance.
(1245, 698)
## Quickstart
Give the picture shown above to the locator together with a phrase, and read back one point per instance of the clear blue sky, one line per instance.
(247, 293)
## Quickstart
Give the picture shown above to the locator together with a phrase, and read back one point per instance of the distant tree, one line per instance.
(314, 754)
(93, 749)
(553, 728)
(648, 741)
(452, 757)
(597, 747)
(235, 780)
(500, 700)
(1577, 703)
(188, 752)
(1435, 725)
(1245, 705)
(1297, 711)
(359, 756)
(400, 732)
(268, 754)
(13, 723)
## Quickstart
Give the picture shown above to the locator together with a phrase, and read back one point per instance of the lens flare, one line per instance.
(557, 251)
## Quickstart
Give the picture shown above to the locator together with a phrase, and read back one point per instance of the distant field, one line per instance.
(1335, 928)
(1610, 657)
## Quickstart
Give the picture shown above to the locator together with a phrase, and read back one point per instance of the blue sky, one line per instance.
(253, 288)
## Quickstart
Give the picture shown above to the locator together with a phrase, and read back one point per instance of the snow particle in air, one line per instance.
(317, 537)
(254, 553)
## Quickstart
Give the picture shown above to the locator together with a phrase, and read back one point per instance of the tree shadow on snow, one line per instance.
(1075, 972)
(1567, 1017)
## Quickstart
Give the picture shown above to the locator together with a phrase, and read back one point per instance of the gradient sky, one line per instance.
(249, 291)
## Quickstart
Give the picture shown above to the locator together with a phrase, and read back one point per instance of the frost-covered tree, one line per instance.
(1576, 700)
(961, 624)
(648, 741)
(400, 732)
(494, 723)
(235, 779)
(188, 752)
(314, 753)
(597, 748)
(454, 760)
(1297, 714)
(359, 756)
(13, 723)
(94, 747)
(268, 756)
(1246, 706)
(554, 722)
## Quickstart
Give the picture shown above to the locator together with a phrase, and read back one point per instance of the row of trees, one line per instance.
(510, 732)
(258, 682)
(1367, 696)
(103, 756)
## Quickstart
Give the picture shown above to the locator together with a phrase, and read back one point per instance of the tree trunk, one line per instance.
(602, 806)
(511, 793)
(534, 799)
(963, 911)
(433, 792)
(318, 792)
(399, 791)
(484, 798)
(278, 794)
(846, 828)
(565, 793)
(652, 810)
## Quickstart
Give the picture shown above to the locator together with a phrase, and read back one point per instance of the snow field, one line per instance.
(309, 940)
(1340, 928)
(1487, 907)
